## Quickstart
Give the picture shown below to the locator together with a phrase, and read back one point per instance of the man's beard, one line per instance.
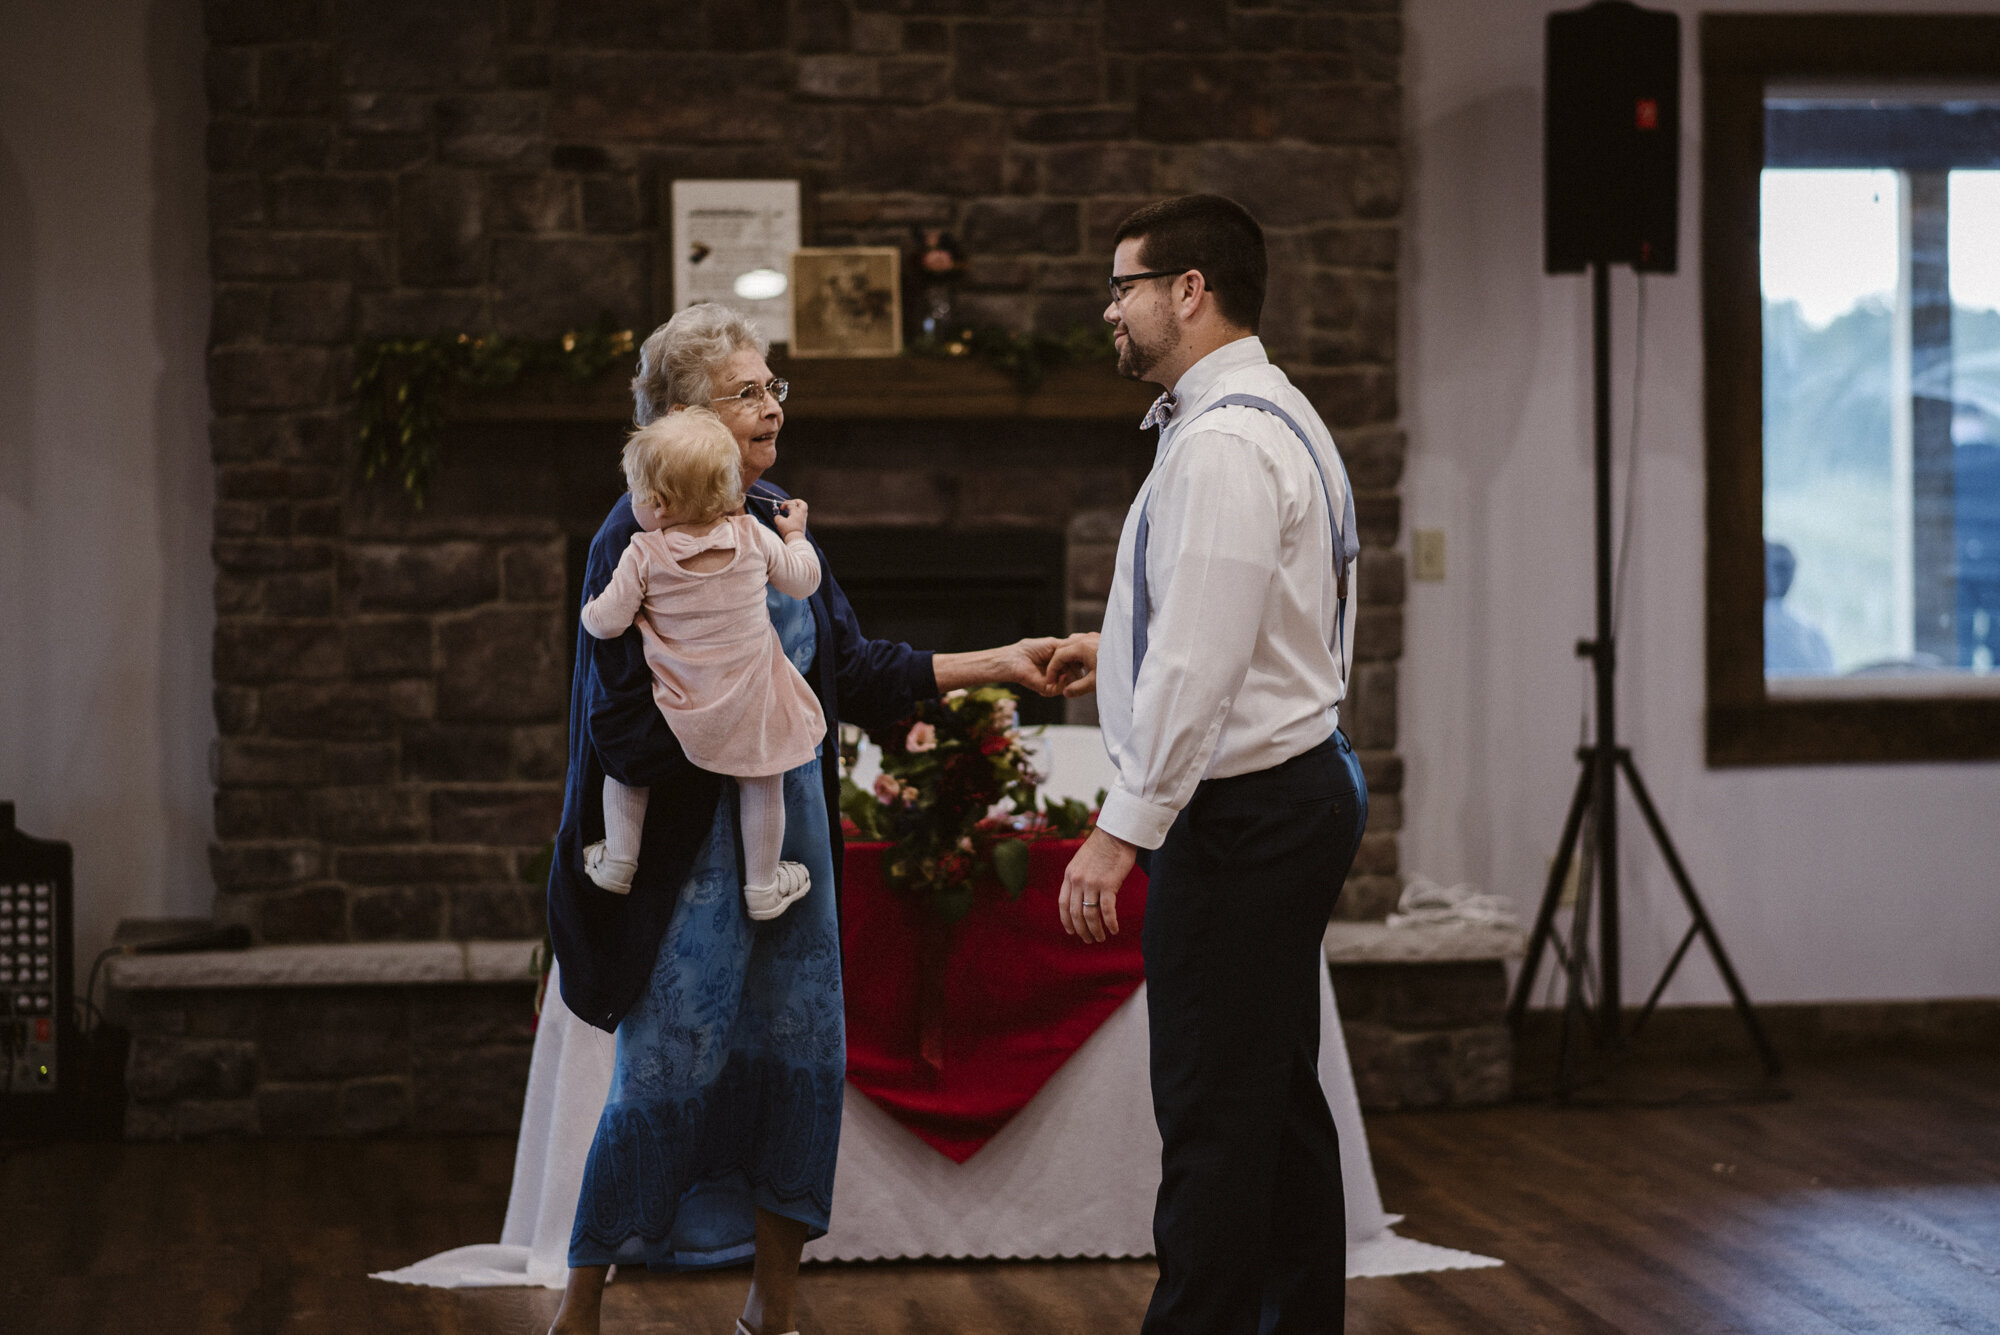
(1136, 359)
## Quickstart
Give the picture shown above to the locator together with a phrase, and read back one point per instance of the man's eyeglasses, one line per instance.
(1120, 282)
(752, 395)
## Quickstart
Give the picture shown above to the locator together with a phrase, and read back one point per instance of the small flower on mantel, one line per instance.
(938, 254)
(887, 791)
(922, 738)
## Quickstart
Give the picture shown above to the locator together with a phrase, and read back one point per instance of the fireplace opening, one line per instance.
(952, 589)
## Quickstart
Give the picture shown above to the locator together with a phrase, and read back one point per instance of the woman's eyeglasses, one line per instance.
(752, 395)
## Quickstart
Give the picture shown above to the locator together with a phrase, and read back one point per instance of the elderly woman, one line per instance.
(717, 1141)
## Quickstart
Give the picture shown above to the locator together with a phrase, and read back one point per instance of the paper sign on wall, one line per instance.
(733, 243)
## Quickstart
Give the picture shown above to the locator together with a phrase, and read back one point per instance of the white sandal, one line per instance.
(613, 874)
(765, 902)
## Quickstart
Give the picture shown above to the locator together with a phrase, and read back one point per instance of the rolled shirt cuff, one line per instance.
(1138, 822)
(923, 675)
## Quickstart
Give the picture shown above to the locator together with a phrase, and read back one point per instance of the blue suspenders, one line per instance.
(1345, 545)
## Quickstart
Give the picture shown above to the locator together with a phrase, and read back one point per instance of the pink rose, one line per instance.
(887, 790)
(922, 738)
(1006, 713)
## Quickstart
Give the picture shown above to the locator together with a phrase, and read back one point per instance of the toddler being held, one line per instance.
(693, 583)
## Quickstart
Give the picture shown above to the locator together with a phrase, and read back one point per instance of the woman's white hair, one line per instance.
(678, 360)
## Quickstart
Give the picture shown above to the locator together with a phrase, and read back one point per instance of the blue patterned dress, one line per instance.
(727, 1090)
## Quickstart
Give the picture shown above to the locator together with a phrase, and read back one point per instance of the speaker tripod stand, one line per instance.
(1596, 798)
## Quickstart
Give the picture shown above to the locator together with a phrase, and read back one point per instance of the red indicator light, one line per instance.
(1647, 113)
(42, 1031)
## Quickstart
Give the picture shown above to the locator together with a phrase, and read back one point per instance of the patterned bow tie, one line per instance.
(1161, 412)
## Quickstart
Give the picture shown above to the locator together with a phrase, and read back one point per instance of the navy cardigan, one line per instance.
(607, 943)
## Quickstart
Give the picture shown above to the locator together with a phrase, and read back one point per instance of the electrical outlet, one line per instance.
(1427, 554)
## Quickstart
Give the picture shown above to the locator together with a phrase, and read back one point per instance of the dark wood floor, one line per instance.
(1868, 1202)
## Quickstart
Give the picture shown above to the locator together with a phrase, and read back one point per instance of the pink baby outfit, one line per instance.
(721, 678)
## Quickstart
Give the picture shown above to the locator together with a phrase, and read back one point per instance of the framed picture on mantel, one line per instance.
(847, 302)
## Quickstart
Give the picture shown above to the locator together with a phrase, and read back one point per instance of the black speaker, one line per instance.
(38, 1039)
(1611, 137)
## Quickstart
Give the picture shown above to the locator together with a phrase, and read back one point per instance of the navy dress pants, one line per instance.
(1250, 1225)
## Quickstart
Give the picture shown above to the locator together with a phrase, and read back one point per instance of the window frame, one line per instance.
(1745, 724)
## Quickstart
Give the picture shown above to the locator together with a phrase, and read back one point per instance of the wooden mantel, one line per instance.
(828, 389)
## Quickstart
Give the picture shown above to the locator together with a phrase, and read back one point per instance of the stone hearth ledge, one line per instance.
(362, 964)
(1379, 943)
(359, 964)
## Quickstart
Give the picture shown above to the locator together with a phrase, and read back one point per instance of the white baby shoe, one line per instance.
(613, 874)
(788, 888)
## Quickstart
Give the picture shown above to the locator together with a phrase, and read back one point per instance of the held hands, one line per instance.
(1072, 669)
(1049, 666)
(791, 517)
(1089, 901)
(1031, 663)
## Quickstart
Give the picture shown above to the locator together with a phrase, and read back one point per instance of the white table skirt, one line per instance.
(1073, 1174)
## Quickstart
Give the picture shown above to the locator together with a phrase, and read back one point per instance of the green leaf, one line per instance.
(1010, 864)
(1068, 818)
(953, 902)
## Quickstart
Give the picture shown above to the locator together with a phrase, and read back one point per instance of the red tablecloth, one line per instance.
(954, 1029)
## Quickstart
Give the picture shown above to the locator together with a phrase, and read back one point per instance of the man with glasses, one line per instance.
(1219, 675)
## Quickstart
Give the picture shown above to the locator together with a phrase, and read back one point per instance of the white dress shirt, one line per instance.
(1241, 671)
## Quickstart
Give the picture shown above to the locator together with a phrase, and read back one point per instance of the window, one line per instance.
(1853, 362)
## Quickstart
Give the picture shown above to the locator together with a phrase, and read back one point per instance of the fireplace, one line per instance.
(955, 589)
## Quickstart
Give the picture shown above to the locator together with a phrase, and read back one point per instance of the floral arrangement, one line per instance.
(955, 800)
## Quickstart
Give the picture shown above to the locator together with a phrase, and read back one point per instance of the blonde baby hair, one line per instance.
(687, 465)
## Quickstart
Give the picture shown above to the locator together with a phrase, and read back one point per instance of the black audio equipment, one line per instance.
(38, 1038)
(1612, 138)
(1611, 173)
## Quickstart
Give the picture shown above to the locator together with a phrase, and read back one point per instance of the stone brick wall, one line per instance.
(327, 1061)
(1426, 1034)
(389, 683)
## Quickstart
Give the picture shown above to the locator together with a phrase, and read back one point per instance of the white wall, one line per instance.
(1827, 883)
(105, 486)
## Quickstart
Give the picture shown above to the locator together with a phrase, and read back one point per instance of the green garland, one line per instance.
(401, 385)
(1028, 358)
